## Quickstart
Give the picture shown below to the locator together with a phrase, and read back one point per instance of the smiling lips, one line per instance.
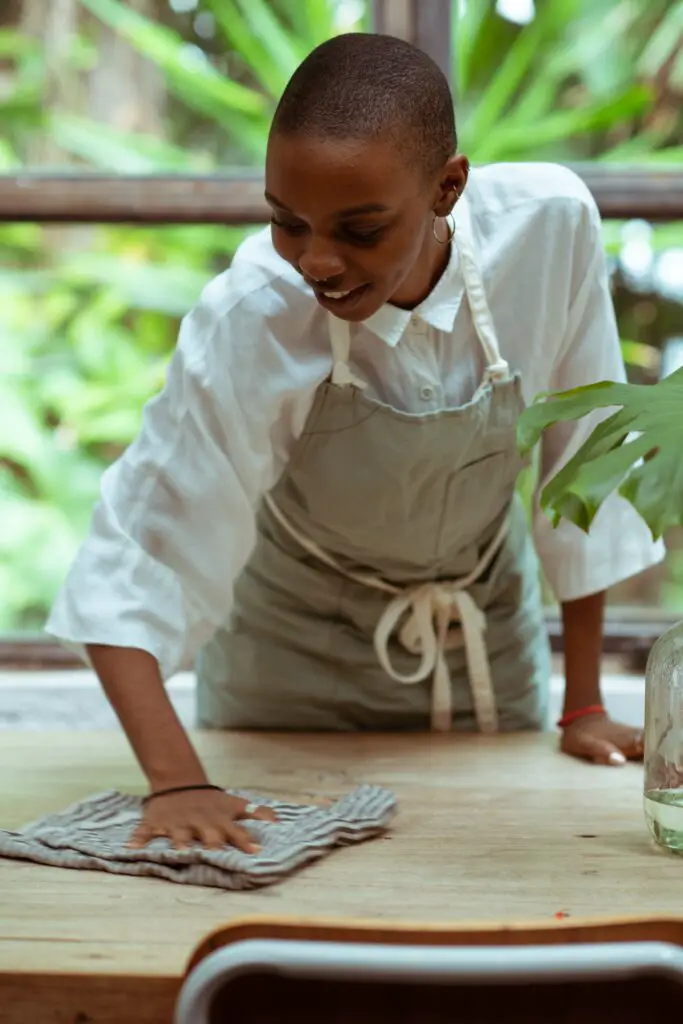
(339, 295)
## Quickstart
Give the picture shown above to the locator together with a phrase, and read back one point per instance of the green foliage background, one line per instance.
(88, 317)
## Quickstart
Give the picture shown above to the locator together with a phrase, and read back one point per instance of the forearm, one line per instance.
(133, 684)
(582, 622)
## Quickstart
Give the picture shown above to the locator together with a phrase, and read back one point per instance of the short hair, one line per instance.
(367, 85)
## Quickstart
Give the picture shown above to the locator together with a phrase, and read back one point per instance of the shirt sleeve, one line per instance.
(619, 543)
(175, 523)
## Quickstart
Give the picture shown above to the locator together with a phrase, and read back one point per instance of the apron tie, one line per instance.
(428, 632)
(431, 609)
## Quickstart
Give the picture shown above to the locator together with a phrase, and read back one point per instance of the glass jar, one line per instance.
(664, 740)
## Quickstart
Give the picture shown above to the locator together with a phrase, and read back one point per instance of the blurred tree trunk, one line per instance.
(123, 90)
(10, 13)
(54, 25)
(126, 90)
(10, 17)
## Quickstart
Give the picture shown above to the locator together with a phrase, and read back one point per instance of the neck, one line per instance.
(425, 275)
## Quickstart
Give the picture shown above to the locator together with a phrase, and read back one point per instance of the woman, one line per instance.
(321, 501)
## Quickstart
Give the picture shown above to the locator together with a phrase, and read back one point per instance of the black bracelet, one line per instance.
(178, 789)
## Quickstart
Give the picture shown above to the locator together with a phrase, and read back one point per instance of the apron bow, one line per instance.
(431, 609)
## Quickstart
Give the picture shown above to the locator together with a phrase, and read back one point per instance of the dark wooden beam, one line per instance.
(163, 199)
(425, 23)
(620, 192)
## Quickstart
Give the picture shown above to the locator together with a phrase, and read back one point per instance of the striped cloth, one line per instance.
(92, 835)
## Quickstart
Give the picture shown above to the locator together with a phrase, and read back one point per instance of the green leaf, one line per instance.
(316, 20)
(670, 155)
(24, 238)
(582, 486)
(636, 451)
(139, 285)
(239, 109)
(14, 45)
(245, 45)
(22, 437)
(512, 139)
(664, 43)
(270, 66)
(9, 161)
(563, 406)
(637, 353)
(120, 152)
(282, 47)
(467, 24)
(487, 118)
(638, 150)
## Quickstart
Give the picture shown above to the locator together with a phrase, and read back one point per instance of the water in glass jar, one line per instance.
(664, 813)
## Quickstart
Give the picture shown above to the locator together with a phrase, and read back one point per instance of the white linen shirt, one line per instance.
(175, 524)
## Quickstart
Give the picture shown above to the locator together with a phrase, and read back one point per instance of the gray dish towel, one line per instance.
(92, 835)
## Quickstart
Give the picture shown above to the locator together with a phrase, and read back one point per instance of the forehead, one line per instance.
(308, 174)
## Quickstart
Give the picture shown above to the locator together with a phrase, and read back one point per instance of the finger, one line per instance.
(257, 811)
(212, 838)
(181, 838)
(240, 838)
(140, 837)
(604, 752)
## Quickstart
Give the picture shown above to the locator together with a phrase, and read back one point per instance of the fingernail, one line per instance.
(616, 758)
(254, 848)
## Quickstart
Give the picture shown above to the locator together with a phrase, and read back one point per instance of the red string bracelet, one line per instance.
(573, 716)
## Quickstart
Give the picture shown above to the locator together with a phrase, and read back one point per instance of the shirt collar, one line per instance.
(438, 309)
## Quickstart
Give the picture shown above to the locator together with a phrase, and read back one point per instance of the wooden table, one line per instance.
(504, 829)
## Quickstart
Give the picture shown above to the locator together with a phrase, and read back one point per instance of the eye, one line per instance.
(287, 227)
(370, 236)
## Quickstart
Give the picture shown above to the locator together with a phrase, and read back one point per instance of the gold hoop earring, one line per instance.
(450, 228)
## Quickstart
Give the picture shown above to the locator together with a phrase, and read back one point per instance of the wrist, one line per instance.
(181, 789)
(596, 710)
(579, 697)
(582, 629)
(171, 778)
(174, 765)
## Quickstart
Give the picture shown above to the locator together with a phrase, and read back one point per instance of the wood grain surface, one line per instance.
(491, 831)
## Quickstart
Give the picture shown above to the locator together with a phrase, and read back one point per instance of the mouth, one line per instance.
(340, 301)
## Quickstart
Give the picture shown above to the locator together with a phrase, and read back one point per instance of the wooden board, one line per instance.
(489, 830)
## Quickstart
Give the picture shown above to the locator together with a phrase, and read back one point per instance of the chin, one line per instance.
(358, 315)
(363, 311)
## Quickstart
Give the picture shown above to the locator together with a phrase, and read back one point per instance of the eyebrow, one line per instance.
(351, 211)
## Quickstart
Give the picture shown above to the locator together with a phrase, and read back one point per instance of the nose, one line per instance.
(319, 261)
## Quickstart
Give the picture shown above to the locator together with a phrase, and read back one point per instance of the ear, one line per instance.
(452, 181)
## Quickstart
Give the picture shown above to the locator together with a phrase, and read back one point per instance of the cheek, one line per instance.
(285, 246)
(402, 252)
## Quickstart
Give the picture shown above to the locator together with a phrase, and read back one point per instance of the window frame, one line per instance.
(621, 192)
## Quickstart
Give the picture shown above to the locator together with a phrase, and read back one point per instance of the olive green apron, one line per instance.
(394, 583)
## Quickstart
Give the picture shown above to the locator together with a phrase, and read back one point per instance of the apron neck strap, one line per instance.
(340, 339)
(496, 367)
(340, 342)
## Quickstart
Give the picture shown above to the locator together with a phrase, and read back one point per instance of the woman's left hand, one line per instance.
(597, 738)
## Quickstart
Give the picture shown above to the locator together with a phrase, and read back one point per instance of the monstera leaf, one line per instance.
(637, 450)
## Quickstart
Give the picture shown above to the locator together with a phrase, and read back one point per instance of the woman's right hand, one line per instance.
(208, 817)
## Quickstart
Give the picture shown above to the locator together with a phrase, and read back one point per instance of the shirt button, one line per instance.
(426, 392)
(414, 321)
